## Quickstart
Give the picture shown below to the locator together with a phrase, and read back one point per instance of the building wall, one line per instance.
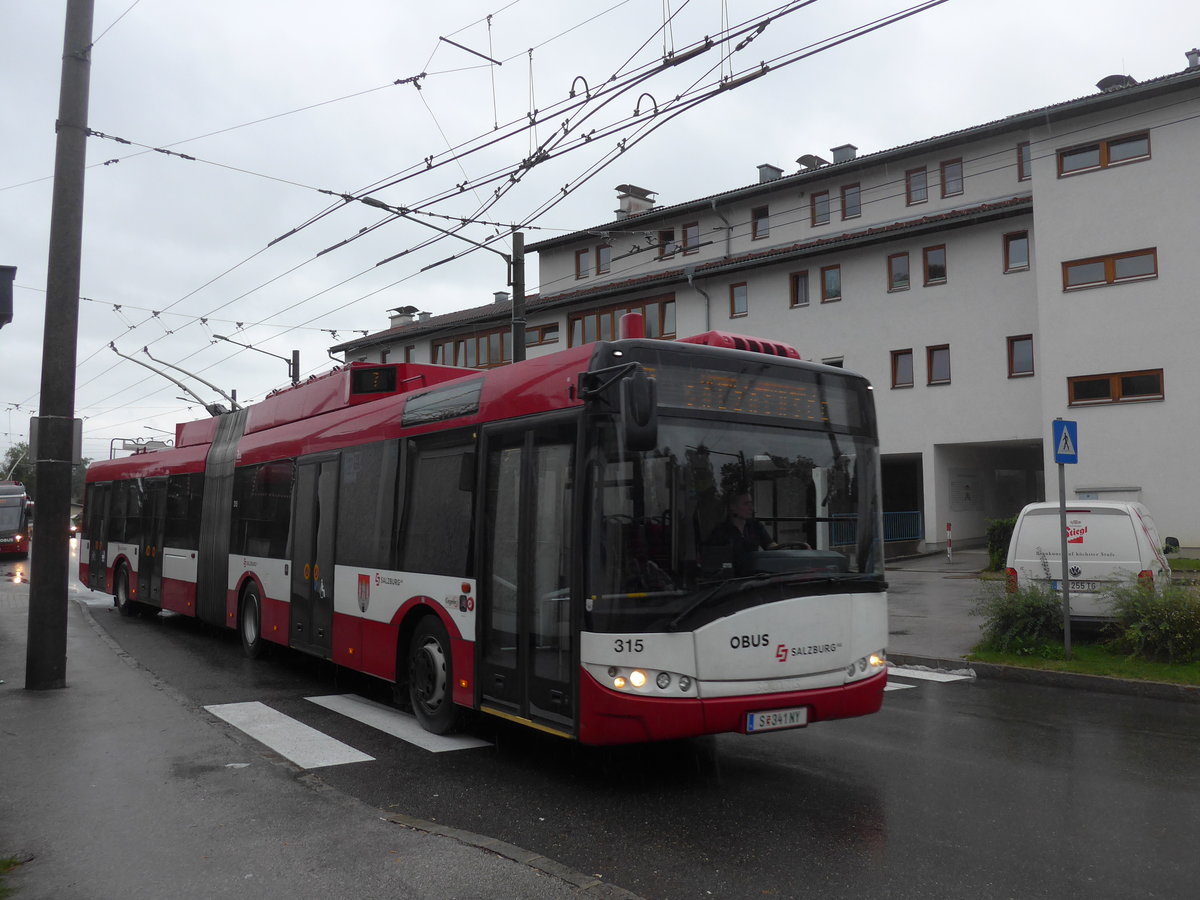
(1125, 327)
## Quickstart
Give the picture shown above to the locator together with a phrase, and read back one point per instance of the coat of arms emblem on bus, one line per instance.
(364, 592)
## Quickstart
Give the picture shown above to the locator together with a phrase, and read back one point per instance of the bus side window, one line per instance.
(436, 527)
(366, 504)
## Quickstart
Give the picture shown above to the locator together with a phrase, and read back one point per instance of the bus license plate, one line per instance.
(1086, 587)
(775, 719)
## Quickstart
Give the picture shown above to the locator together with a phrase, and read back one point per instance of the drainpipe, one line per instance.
(690, 273)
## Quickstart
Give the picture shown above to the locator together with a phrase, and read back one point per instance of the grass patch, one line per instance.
(1185, 565)
(6, 866)
(1094, 659)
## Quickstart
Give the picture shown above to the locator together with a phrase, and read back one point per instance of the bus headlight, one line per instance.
(637, 678)
(663, 680)
(878, 659)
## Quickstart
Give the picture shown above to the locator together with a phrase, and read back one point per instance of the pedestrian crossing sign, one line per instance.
(1066, 442)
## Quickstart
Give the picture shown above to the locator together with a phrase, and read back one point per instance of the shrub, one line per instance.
(1157, 625)
(1027, 621)
(999, 533)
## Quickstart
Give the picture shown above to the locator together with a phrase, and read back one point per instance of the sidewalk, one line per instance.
(115, 788)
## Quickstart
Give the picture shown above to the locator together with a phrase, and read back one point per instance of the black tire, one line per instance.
(431, 677)
(124, 605)
(250, 623)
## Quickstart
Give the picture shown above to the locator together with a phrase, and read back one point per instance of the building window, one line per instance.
(916, 186)
(1102, 154)
(603, 258)
(410, 353)
(897, 272)
(831, 283)
(666, 243)
(1020, 356)
(691, 237)
(739, 300)
(851, 201)
(760, 223)
(478, 351)
(952, 177)
(581, 263)
(1016, 251)
(384, 354)
(539, 335)
(1113, 269)
(937, 360)
(819, 208)
(902, 368)
(798, 283)
(1024, 161)
(602, 324)
(935, 265)
(1116, 387)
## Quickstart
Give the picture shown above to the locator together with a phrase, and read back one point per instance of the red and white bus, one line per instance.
(541, 542)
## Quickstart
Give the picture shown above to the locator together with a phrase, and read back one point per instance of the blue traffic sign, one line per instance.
(1066, 441)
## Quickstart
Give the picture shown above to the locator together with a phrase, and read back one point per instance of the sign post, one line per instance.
(1066, 452)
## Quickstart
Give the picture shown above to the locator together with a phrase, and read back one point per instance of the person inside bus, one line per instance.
(740, 529)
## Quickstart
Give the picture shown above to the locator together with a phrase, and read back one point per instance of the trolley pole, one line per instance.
(46, 654)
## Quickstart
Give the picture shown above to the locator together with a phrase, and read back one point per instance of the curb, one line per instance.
(1155, 690)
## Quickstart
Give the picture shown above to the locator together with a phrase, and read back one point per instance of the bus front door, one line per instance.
(313, 531)
(150, 563)
(526, 639)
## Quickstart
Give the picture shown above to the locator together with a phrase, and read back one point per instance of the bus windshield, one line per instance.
(731, 509)
(12, 511)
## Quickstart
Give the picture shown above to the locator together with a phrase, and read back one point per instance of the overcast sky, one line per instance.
(279, 100)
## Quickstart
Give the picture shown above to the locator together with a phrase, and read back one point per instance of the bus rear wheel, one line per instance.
(125, 606)
(250, 623)
(430, 676)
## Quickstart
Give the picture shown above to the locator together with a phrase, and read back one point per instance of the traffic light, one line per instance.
(7, 274)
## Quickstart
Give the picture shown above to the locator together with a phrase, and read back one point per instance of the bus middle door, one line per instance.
(314, 530)
(150, 562)
(95, 529)
(526, 639)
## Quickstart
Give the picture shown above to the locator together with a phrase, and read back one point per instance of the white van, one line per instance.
(1106, 542)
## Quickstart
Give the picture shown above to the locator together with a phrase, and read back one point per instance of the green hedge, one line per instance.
(999, 533)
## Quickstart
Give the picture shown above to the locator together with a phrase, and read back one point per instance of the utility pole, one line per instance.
(46, 655)
(518, 298)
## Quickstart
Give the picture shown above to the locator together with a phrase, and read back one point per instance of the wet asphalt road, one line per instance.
(974, 787)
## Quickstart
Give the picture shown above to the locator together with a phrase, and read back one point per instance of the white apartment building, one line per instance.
(986, 281)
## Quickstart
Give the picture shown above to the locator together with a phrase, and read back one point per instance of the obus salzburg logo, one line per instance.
(744, 641)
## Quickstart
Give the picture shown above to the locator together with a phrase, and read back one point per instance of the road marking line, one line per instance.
(898, 687)
(925, 675)
(394, 722)
(305, 746)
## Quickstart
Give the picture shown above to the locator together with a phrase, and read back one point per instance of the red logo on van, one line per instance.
(1076, 535)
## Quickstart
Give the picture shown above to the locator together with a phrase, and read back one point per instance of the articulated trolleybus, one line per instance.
(549, 542)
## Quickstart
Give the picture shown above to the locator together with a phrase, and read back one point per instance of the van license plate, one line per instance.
(775, 719)
(1085, 587)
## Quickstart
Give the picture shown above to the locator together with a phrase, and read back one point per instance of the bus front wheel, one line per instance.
(430, 677)
(250, 623)
(125, 606)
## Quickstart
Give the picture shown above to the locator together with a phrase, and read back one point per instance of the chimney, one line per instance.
(424, 316)
(1193, 56)
(633, 200)
(500, 296)
(768, 172)
(844, 153)
(402, 315)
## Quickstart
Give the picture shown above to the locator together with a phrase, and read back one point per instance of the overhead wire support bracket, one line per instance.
(469, 50)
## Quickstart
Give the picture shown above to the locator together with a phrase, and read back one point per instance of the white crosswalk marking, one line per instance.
(926, 674)
(306, 747)
(397, 724)
(897, 687)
